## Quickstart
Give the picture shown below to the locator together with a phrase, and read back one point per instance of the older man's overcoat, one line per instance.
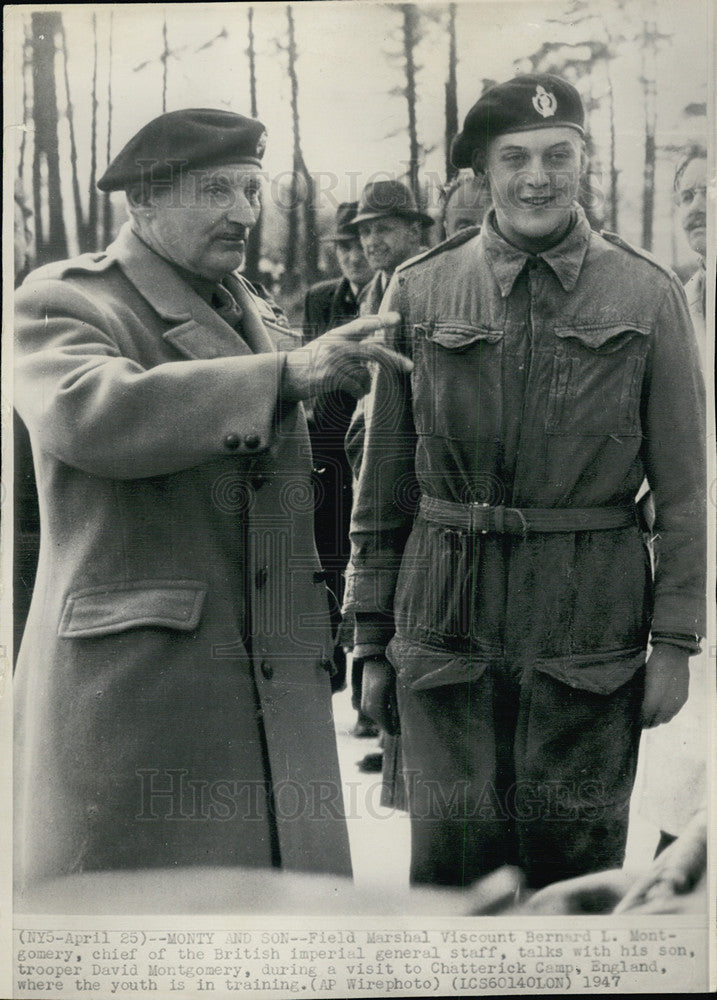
(173, 700)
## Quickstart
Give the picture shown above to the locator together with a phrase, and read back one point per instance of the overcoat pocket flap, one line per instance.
(606, 338)
(456, 335)
(174, 604)
(422, 667)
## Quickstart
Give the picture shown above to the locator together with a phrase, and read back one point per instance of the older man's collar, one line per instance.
(565, 259)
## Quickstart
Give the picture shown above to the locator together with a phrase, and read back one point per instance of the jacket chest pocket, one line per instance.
(596, 381)
(456, 371)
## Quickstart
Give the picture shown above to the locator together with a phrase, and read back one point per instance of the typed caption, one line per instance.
(279, 963)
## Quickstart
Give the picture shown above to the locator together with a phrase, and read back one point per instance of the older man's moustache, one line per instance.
(699, 222)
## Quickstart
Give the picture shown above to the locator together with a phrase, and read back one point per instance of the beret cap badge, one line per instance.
(544, 102)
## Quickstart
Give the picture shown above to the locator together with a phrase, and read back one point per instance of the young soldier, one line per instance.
(500, 580)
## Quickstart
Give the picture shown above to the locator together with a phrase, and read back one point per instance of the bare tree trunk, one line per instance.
(106, 200)
(26, 108)
(451, 92)
(410, 38)
(253, 249)
(79, 215)
(165, 62)
(614, 197)
(311, 229)
(47, 192)
(92, 206)
(649, 93)
(299, 170)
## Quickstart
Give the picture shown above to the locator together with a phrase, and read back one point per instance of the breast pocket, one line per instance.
(456, 369)
(596, 381)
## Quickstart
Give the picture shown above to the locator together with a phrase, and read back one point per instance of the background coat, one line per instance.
(173, 701)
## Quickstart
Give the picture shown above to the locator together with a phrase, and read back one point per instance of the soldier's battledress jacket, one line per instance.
(173, 702)
(558, 382)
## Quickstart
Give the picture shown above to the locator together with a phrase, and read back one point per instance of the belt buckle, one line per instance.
(476, 522)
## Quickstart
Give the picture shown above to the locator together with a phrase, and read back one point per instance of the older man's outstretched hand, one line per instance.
(340, 359)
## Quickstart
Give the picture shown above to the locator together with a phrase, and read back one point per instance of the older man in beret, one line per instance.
(503, 593)
(173, 698)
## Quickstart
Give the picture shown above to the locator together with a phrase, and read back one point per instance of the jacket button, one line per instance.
(258, 481)
(329, 666)
(252, 441)
(231, 442)
(261, 577)
(267, 669)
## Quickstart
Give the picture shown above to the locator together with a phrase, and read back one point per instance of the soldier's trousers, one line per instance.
(537, 774)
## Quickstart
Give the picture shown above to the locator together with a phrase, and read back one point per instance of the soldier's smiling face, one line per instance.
(534, 178)
(203, 220)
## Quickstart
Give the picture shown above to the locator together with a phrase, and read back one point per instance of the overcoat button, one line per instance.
(252, 441)
(231, 442)
(267, 670)
(320, 576)
(261, 577)
(258, 481)
(328, 666)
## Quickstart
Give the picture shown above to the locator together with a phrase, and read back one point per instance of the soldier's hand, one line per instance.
(667, 679)
(378, 693)
(340, 358)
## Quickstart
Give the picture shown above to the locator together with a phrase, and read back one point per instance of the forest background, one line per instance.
(349, 92)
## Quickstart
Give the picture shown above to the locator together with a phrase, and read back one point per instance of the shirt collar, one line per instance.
(565, 259)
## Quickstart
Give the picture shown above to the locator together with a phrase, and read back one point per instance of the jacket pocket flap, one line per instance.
(175, 604)
(599, 673)
(602, 338)
(422, 667)
(455, 335)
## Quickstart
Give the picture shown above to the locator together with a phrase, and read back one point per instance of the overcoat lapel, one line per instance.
(197, 331)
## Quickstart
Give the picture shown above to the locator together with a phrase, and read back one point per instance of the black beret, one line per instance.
(182, 140)
(536, 100)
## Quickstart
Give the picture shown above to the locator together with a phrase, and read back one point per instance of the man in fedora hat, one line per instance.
(328, 304)
(172, 690)
(391, 229)
(503, 592)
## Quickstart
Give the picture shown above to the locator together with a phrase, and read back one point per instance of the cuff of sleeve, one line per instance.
(680, 614)
(367, 650)
(372, 634)
(691, 643)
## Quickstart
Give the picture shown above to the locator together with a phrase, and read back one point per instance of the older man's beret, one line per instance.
(536, 100)
(183, 140)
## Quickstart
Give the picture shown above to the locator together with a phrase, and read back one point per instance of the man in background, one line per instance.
(675, 775)
(465, 201)
(391, 229)
(691, 197)
(329, 304)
